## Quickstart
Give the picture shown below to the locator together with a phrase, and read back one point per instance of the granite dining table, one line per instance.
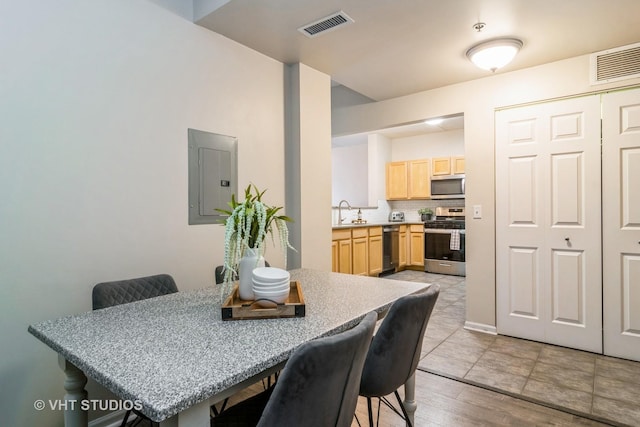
(173, 356)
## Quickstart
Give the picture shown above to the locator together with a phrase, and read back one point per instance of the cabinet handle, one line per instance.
(566, 239)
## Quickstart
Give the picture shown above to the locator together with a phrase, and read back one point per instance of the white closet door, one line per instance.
(621, 223)
(548, 223)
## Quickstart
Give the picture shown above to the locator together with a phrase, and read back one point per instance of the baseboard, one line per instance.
(481, 327)
(112, 419)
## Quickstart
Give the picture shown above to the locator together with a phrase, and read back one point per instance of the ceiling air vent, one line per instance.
(329, 23)
(616, 64)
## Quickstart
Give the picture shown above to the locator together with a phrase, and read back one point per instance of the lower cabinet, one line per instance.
(341, 251)
(360, 251)
(403, 244)
(357, 250)
(375, 251)
(416, 245)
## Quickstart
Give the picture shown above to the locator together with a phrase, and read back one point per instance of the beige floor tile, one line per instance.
(616, 410)
(436, 331)
(562, 396)
(428, 344)
(516, 347)
(620, 369)
(619, 390)
(507, 363)
(450, 297)
(444, 323)
(496, 377)
(445, 365)
(563, 376)
(461, 351)
(472, 338)
(573, 359)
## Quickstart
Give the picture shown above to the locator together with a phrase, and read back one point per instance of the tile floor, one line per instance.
(602, 388)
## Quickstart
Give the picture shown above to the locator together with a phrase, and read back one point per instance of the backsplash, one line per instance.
(410, 207)
(381, 213)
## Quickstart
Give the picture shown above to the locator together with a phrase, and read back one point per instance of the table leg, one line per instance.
(195, 416)
(410, 398)
(75, 380)
(198, 415)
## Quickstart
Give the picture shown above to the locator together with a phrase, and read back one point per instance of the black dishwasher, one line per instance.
(390, 247)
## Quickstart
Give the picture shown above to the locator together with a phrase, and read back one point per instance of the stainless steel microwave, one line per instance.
(447, 187)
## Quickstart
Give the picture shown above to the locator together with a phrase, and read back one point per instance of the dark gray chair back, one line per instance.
(108, 294)
(319, 385)
(395, 350)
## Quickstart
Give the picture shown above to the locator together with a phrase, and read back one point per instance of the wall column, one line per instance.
(308, 166)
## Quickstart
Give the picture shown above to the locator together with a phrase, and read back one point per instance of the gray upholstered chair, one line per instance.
(318, 386)
(395, 350)
(108, 294)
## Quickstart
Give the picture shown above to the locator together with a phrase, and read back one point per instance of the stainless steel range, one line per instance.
(444, 242)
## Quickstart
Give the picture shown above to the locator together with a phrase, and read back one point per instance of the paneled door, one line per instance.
(548, 223)
(621, 223)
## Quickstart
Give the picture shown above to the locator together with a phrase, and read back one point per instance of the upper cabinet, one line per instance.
(457, 164)
(397, 180)
(447, 166)
(419, 177)
(408, 180)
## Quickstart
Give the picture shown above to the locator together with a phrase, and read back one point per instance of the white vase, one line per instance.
(250, 260)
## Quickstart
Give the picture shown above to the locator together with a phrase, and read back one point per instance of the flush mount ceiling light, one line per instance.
(494, 54)
(434, 122)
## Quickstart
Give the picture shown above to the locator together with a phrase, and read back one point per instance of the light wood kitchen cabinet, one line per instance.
(335, 256)
(357, 250)
(341, 251)
(440, 166)
(416, 245)
(419, 177)
(375, 251)
(457, 165)
(403, 244)
(360, 251)
(396, 180)
(408, 180)
(447, 166)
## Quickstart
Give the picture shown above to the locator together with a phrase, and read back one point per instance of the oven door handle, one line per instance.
(441, 231)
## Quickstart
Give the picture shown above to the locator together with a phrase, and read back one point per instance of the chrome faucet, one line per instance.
(340, 219)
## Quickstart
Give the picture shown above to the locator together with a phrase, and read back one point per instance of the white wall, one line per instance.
(95, 101)
(342, 96)
(379, 155)
(350, 175)
(477, 100)
(440, 144)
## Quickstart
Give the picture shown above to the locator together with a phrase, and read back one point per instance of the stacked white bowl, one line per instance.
(271, 285)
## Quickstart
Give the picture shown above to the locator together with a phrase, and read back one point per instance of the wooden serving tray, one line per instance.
(236, 309)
